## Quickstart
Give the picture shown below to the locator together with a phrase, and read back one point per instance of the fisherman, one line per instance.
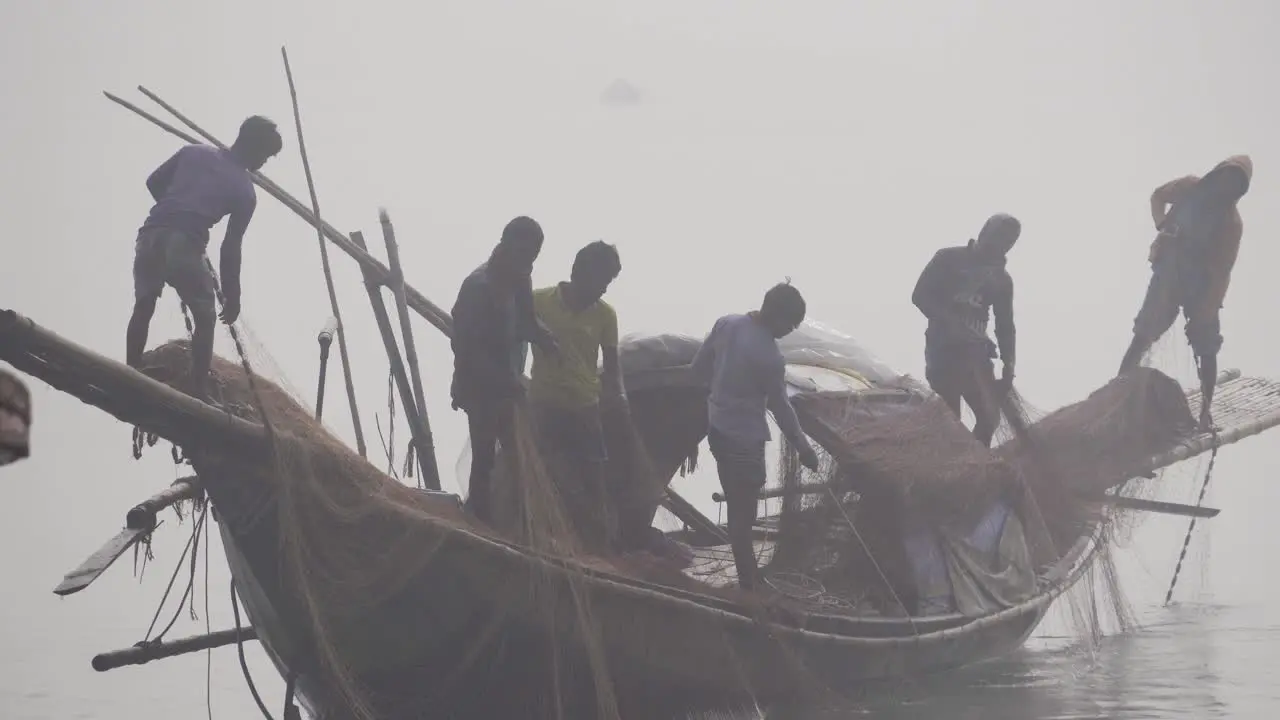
(1191, 258)
(493, 318)
(958, 291)
(193, 190)
(741, 363)
(567, 391)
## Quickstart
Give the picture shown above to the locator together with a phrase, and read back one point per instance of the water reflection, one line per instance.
(1167, 669)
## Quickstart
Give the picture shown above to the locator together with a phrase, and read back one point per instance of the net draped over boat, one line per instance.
(915, 512)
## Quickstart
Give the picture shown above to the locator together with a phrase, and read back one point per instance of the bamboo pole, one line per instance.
(141, 654)
(121, 391)
(324, 261)
(420, 304)
(393, 350)
(143, 515)
(426, 453)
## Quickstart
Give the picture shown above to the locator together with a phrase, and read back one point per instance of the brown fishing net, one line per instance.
(352, 541)
(898, 466)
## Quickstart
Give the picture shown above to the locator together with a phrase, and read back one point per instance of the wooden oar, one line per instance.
(139, 522)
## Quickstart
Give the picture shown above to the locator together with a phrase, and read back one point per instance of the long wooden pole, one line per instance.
(324, 260)
(393, 352)
(382, 275)
(121, 391)
(140, 654)
(426, 453)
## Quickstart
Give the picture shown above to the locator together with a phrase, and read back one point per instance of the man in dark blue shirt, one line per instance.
(493, 318)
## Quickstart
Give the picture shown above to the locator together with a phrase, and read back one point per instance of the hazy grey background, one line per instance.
(835, 142)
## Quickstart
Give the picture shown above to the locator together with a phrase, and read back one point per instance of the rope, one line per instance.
(244, 664)
(148, 640)
(870, 556)
(1186, 541)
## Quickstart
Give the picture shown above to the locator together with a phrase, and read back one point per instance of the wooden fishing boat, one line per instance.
(479, 625)
(464, 637)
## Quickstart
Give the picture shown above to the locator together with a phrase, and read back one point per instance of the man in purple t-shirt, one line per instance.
(741, 364)
(194, 190)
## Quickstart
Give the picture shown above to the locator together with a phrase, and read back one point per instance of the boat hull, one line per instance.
(483, 614)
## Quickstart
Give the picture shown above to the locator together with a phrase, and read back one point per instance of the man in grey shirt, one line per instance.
(741, 363)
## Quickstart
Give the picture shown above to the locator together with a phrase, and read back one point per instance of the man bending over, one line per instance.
(745, 370)
(1191, 261)
(193, 190)
(958, 291)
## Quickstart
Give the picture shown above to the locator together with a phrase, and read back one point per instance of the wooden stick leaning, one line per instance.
(393, 352)
(426, 453)
(416, 300)
(324, 261)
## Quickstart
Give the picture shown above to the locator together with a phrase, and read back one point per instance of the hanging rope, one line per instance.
(244, 664)
(1186, 541)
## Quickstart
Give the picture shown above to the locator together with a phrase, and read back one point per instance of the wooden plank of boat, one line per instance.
(139, 522)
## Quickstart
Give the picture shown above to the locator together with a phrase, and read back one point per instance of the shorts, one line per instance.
(1176, 287)
(954, 369)
(577, 434)
(740, 464)
(164, 256)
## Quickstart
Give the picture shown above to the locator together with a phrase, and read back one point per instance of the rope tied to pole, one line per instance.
(1191, 527)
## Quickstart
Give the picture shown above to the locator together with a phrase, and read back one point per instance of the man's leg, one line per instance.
(1159, 310)
(188, 272)
(980, 394)
(144, 308)
(592, 456)
(938, 371)
(742, 499)
(148, 283)
(741, 477)
(483, 426)
(1204, 333)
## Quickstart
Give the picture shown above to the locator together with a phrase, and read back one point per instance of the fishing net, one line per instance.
(907, 515)
(353, 542)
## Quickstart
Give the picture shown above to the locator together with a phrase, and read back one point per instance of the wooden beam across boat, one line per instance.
(121, 391)
(139, 522)
(145, 653)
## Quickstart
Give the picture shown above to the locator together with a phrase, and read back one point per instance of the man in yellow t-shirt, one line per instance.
(566, 391)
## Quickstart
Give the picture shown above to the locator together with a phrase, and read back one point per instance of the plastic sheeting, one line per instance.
(818, 355)
(986, 571)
